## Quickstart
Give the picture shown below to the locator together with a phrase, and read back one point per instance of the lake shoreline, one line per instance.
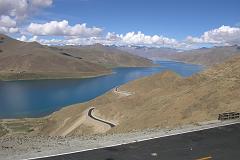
(85, 87)
(45, 76)
(53, 78)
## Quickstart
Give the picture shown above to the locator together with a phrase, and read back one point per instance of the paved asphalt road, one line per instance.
(97, 119)
(222, 143)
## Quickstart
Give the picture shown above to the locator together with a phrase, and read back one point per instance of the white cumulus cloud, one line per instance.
(6, 21)
(224, 35)
(20, 9)
(22, 38)
(13, 11)
(139, 38)
(25, 39)
(80, 34)
(7, 25)
(62, 28)
(13, 30)
(14, 8)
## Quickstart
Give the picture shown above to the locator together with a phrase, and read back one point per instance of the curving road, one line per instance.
(100, 120)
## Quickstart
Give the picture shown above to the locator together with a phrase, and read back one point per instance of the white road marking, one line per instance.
(114, 145)
(154, 154)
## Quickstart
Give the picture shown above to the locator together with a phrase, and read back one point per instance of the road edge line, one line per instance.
(135, 141)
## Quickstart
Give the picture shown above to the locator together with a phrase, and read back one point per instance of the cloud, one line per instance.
(25, 39)
(6, 21)
(80, 34)
(62, 28)
(52, 41)
(34, 38)
(224, 35)
(6, 30)
(20, 9)
(14, 8)
(73, 41)
(130, 38)
(112, 36)
(139, 38)
(14, 11)
(13, 30)
(41, 3)
(7, 25)
(22, 38)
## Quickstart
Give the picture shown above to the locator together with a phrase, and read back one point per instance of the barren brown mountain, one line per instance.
(27, 60)
(106, 55)
(204, 56)
(208, 56)
(162, 100)
(31, 60)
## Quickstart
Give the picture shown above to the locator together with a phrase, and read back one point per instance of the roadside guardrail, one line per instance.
(228, 116)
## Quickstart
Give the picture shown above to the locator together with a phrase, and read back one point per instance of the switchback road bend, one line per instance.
(98, 119)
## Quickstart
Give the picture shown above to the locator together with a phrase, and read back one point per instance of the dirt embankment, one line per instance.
(163, 100)
(160, 101)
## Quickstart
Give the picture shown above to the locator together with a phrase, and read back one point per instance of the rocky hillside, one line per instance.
(162, 100)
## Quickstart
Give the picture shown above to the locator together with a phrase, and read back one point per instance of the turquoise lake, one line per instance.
(36, 98)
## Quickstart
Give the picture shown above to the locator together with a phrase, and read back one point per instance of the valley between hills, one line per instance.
(158, 101)
(161, 101)
(164, 100)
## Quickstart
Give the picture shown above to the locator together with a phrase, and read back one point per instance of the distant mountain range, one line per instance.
(205, 56)
(208, 56)
(31, 60)
(150, 52)
(107, 56)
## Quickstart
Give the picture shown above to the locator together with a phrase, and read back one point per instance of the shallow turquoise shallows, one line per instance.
(35, 98)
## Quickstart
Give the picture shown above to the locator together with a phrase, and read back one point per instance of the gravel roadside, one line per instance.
(23, 147)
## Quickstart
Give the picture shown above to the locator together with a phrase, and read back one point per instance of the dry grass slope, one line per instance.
(162, 100)
(31, 60)
(107, 56)
(208, 56)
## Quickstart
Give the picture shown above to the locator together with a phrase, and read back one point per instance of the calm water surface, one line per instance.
(35, 98)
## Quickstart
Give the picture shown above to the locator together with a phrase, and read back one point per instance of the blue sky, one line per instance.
(172, 18)
(174, 23)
